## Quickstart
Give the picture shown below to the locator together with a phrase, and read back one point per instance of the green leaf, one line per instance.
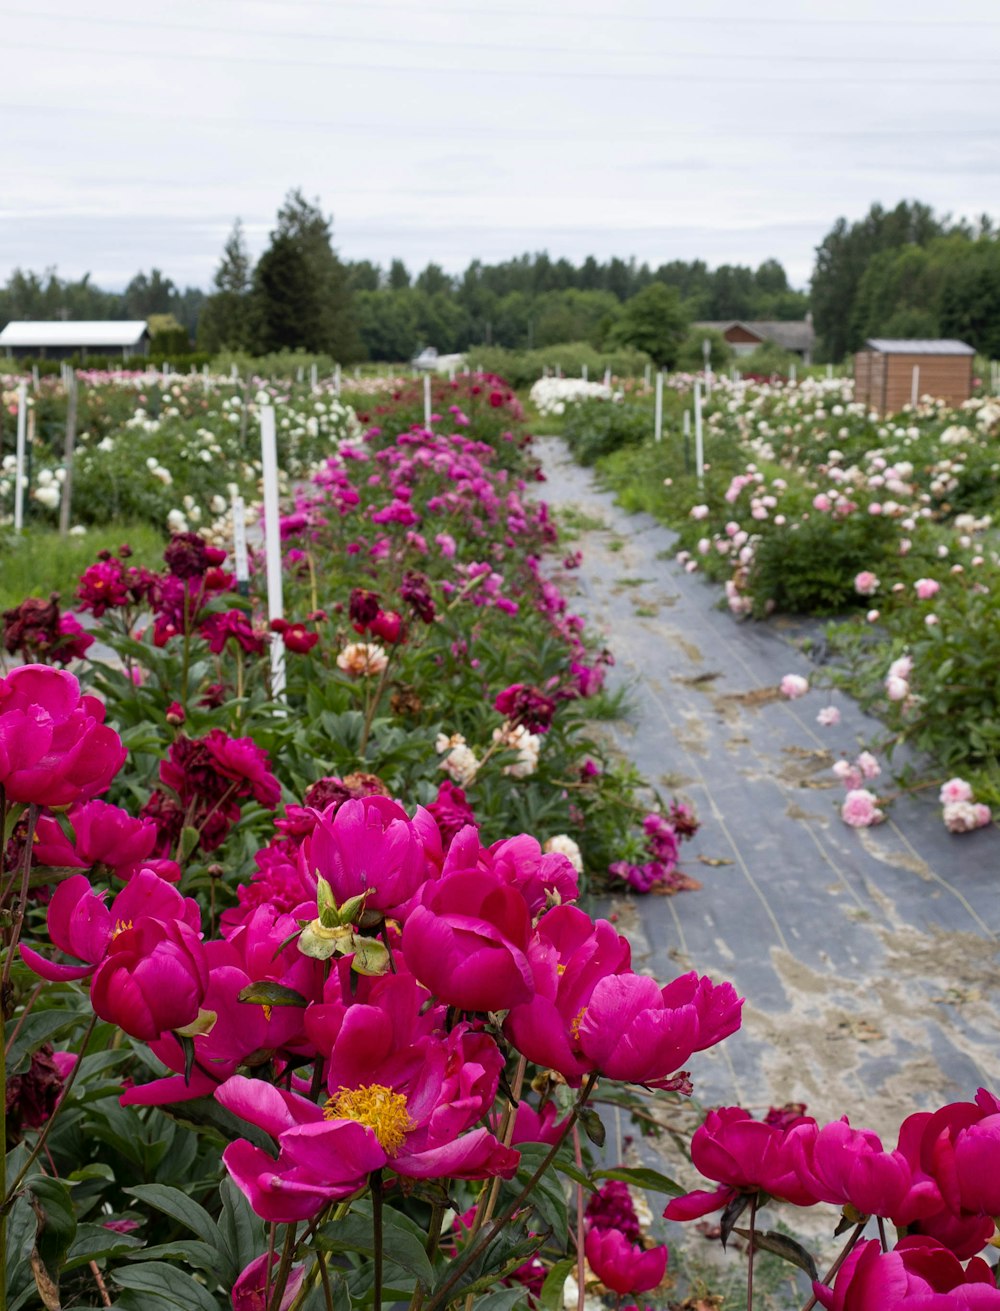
(180, 1207)
(781, 1245)
(552, 1289)
(38, 1028)
(593, 1126)
(271, 994)
(573, 1173)
(502, 1300)
(241, 1230)
(354, 1234)
(94, 1242)
(642, 1177)
(186, 1252)
(190, 837)
(56, 1219)
(175, 1287)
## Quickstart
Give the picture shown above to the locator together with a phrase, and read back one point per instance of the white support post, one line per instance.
(22, 430)
(645, 376)
(584, 374)
(915, 386)
(272, 546)
(234, 372)
(792, 375)
(607, 377)
(706, 350)
(34, 378)
(699, 438)
(313, 376)
(427, 400)
(829, 370)
(336, 381)
(658, 411)
(241, 558)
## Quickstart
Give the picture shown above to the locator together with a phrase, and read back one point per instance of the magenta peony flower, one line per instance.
(635, 1031)
(251, 1288)
(366, 845)
(54, 745)
(622, 1267)
(152, 979)
(467, 941)
(103, 834)
(917, 1275)
(744, 1156)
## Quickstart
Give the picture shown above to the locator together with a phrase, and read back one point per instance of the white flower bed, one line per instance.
(552, 395)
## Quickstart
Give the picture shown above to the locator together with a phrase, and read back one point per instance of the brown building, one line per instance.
(745, 335)
(888, 374)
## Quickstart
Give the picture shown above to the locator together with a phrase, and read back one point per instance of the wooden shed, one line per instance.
(888, 374)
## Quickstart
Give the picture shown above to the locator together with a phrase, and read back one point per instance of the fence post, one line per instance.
(22, 432)
(272, 546)
(69, 447)
(658, 411)
(699, 440)
(427, 400)
(915, 386)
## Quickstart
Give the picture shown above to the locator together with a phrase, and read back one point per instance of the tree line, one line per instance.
(902, 272)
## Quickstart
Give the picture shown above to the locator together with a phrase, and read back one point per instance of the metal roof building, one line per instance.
(58, 340)
(892, 372)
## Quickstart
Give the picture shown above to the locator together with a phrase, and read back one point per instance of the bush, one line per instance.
(522, 368)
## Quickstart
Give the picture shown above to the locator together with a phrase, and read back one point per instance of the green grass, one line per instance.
(40, 561)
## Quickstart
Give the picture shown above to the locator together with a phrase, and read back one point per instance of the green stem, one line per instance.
(21, 907)
(377, 1199)
(475, 1250)
(751, 1252)
(284, 1269)
(828, 1277)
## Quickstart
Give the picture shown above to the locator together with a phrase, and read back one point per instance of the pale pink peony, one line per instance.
(956, 789)
(964, 816)
(699, 511)
(848, 774)
(860, 809)
(866, 583)
(829, 716)
(872, 616)
(901, 668)
(358, 658)
(794, 686)
(868, 765)
(926, 588)
(897, 689)
(822, 502)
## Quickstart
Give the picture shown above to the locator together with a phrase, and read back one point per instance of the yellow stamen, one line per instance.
(120, 927)
(560, 970)
(574, 1027)
(375, 1106)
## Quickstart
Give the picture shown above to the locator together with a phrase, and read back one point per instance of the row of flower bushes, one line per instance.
(377, 1014)
(810, 505)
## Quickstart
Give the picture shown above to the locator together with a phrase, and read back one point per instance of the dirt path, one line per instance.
(868, 959)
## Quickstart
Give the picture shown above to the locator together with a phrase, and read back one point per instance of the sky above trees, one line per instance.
(454, 129)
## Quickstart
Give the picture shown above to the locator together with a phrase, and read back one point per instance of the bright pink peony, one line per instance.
(861, 809)
(153, 978)
(367, 845)
(467, 941)
(742, 1155)
(866, 583)
(82, 926)
(925, 588)
(635, 1031)
(103, 834)
(251, 1288)
(917, 1275)
(54, 745)
(956, 789)
(622, 1267)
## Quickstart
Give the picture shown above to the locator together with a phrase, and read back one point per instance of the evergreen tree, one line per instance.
(224, 323)
(300, 291)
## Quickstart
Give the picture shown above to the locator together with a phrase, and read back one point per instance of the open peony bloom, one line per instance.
(956, 789)
(622, 1267)
(917, 1275)
(467, 941)
(861, 809)
(742, 1155)
(842, 1165)
(103, 834)
(54, 745)
(794, 686)
(636, 1031)
(153, 978)
(366, 845)
(81, 925)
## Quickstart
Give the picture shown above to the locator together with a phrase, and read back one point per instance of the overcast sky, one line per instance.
(726, 130)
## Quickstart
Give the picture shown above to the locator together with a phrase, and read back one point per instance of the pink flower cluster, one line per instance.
(939, 1185)
(960, 811)
(664, 835)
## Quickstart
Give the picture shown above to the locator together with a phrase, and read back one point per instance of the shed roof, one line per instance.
(89, 332)
(900, 346)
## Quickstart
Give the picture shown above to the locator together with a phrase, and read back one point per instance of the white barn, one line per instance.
(58, 340)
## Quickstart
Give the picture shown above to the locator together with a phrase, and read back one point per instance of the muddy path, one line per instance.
(868, 959)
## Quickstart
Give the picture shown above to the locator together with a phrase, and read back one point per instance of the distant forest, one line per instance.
(900, 272)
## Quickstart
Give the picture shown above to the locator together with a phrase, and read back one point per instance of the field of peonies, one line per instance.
(812, 507)
(303, 1010)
